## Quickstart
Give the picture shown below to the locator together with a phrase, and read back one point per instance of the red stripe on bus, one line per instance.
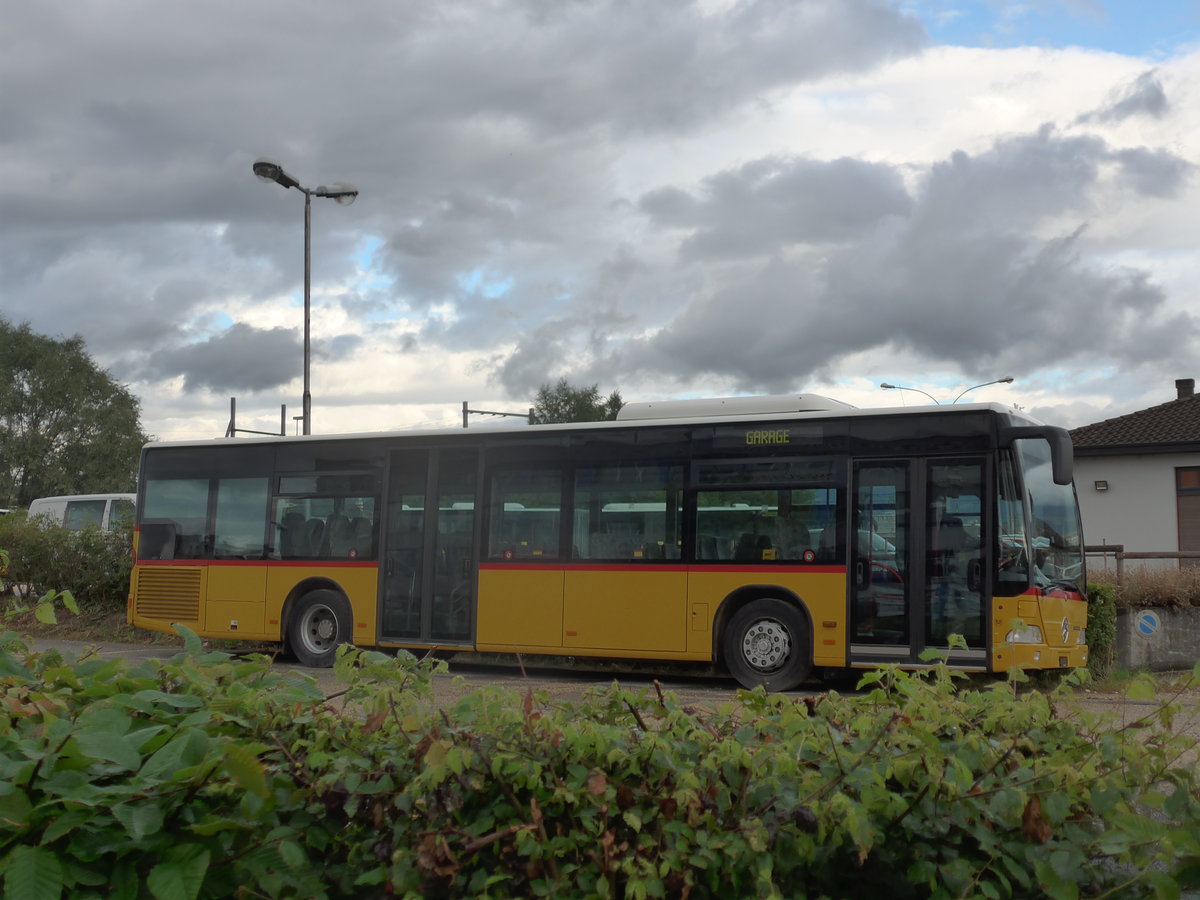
(293, 563)
(516, 566)
(659, 567)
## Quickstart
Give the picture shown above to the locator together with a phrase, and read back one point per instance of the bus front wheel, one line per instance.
(767, 643)
(317, 626)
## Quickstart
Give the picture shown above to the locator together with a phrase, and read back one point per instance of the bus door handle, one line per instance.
(860, 573)
(466, 567)
(975, 575)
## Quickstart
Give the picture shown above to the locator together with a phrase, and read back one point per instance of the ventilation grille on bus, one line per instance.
(169, 593)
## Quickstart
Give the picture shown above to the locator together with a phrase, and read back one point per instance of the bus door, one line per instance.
(918, 562)
(427, 575)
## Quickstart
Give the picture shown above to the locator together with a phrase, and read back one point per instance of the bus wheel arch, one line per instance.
(317, 620)
(764, 637)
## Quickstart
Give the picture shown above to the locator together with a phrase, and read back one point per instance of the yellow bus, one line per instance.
(766, 536)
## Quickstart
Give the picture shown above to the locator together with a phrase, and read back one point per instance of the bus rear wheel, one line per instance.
(767, 643)
(317, 626)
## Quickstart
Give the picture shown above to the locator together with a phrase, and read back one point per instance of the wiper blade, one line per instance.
(1061, 584)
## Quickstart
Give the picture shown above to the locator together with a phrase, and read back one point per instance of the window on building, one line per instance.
(1187, 505)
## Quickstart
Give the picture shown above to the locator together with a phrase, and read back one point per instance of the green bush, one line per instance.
(1101, 629)
(208, 776)
(93, 565)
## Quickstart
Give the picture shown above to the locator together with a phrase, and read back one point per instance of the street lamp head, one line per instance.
(269, 170)
(341, 193)
(888, 387)
(1008, 380)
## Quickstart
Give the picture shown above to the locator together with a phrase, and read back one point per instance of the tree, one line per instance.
(563, 403)
(66, 427)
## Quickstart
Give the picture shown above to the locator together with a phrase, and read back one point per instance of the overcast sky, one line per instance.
(666, 198)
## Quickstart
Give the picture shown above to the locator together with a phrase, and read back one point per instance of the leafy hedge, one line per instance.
(210, 776)
(93, 565)
(1101, 629)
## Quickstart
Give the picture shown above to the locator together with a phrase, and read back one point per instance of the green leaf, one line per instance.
(246, 770)
(140, 819)
(186, 749)
(44, 613)
(1165, 887)
(1143, 687)
(33, 873)
(293, 855)
(179, 701)
(191, 641)
(181, 875)
(105, 745)
(14, 807)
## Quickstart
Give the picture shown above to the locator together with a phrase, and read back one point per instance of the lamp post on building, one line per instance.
(344, 194)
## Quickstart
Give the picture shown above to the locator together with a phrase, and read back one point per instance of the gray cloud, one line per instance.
(1145, 96)
(978, 274)
(241, 358)
(772, 203)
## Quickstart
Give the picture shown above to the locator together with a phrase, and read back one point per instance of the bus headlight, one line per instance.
(1082, 639)
(1026, 634)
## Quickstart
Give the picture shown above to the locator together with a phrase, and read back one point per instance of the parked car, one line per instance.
(75, 511)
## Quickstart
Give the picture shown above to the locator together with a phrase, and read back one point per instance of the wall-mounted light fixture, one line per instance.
(1102, 485)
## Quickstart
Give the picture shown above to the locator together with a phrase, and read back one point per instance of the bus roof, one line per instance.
(730, 406)
(836, 410)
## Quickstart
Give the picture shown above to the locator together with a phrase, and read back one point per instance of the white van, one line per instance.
(106, 511)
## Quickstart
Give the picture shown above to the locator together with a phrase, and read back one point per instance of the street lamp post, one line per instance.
(1007, 380)
(344, 194)
(900, 387)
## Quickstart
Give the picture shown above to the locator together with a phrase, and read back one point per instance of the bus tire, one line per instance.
(318, 624)
(767, 643)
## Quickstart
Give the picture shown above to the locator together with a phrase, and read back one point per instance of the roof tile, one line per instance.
(1177, 421)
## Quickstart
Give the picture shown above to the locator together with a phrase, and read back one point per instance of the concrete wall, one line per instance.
(1138, 509)
(1158, 639)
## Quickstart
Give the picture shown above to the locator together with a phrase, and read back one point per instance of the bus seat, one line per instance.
(794, 539)
(339, 536)
(314, 531)
(361, 529)
(291, 536)
(751, 546)
(706, 547)
(827, 546)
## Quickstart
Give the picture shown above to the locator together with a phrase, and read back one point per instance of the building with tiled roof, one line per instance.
(1138, 476)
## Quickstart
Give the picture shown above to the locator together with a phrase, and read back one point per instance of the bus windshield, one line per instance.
(1055, 533)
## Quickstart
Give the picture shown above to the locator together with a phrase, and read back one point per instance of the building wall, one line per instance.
(1139, 508)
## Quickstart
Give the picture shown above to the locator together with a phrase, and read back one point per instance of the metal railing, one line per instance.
(1120, 554)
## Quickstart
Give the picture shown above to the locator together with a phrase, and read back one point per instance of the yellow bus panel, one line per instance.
(626, 610)
(236, 599)
(519, 607)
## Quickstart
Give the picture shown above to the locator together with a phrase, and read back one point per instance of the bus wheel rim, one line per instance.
(319, 627)
(766, 645)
